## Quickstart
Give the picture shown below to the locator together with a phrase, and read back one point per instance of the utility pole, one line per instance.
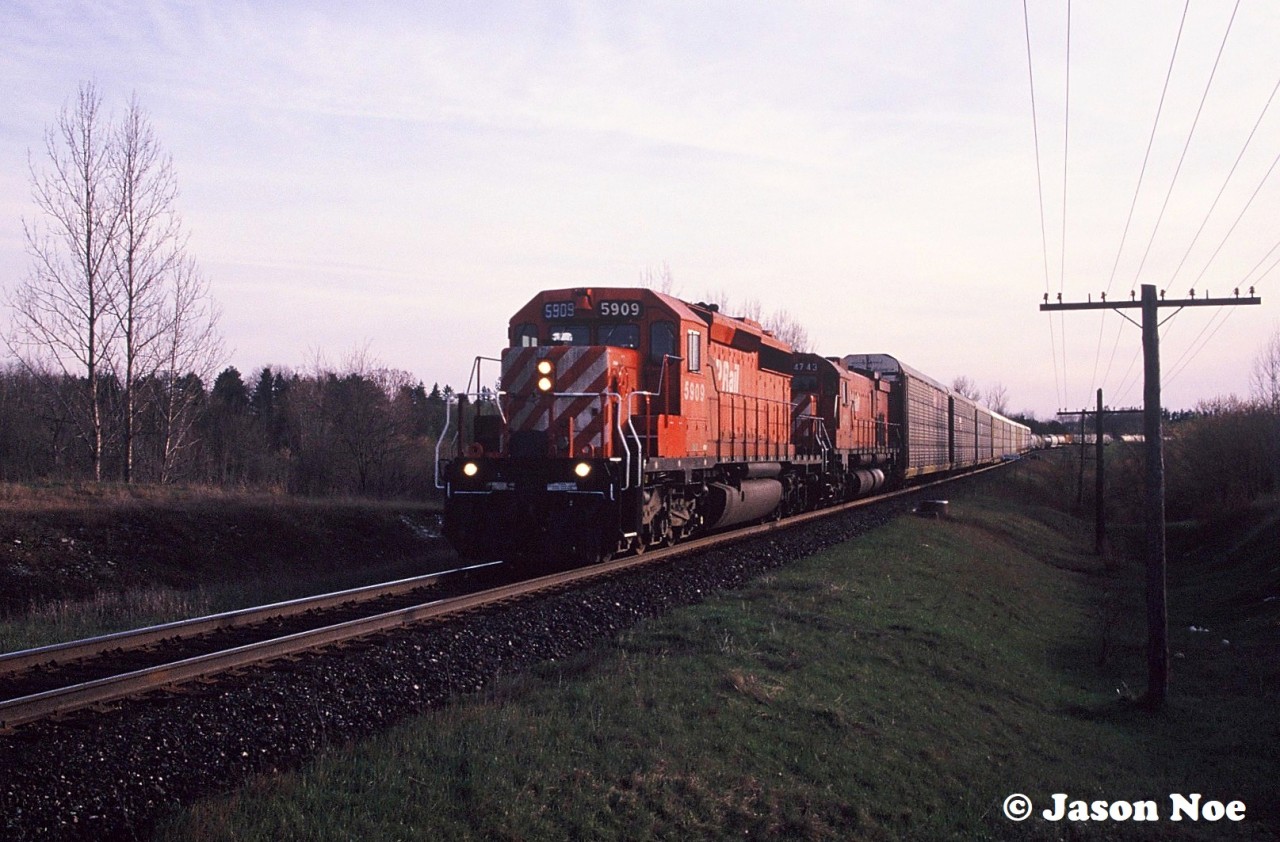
(1099, 478)
(1099, 484)
(1157, 595)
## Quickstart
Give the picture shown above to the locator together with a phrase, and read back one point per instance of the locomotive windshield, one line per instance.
(620, 335)
(571, 335)
(614, 335)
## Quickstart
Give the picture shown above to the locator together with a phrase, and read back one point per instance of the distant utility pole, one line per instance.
(1157, 595)
(1099, 478)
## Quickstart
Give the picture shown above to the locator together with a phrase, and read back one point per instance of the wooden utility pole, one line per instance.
(1099, 485)
(1099, 478)
(1157, 596)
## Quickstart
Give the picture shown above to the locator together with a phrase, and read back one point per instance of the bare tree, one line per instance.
(112, 296)
(966, 388)
(61, 310)
(750, 308)
(1264, 379)
(998, 399)
(189, 345)
(146, 257)
(789, 329)
(660, 280)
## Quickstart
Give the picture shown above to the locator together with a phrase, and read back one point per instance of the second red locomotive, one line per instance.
(626, 418)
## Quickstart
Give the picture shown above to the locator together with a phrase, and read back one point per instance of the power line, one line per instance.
(1044, 237)
(1239, 217)
(1219, 321)
(1137, 190)
(1225, 182)
(1187, 145)
(1150, 143)
(1066, 146)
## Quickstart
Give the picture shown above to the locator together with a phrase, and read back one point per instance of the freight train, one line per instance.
(624, 419)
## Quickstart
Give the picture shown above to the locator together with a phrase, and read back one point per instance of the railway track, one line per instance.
(61, 670)
(48, 680)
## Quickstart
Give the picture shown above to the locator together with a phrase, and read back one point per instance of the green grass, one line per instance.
(81, 561)
(111, 611)
(896, 687)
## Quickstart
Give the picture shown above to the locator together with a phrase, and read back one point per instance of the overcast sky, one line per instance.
(401, 177)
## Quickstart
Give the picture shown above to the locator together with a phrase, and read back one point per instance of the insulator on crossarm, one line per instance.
(1104, 296)
(1237, 292)
(1193, 294)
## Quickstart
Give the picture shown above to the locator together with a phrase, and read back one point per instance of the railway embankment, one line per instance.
(82, 560)
(909, 684)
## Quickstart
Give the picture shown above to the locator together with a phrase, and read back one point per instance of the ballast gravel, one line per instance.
(110, 774)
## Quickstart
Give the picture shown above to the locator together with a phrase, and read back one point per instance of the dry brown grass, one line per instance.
(76, 496)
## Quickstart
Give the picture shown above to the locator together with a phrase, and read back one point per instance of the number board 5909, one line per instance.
(619, 309)
(557, 310)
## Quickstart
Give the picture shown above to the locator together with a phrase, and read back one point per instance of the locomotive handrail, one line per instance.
(631, 414)
(751, 406)
(818, 426)
(475, 373)
(449, 401)
(481, 393)
(824, 440)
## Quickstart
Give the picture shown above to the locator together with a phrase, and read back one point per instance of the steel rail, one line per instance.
(74, 650)
(43, 705)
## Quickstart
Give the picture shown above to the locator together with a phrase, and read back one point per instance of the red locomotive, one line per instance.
(626, 418)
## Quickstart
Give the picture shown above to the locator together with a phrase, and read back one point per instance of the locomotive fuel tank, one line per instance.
(753, 500)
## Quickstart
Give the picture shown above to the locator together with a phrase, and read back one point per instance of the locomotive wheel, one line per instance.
(660, 532)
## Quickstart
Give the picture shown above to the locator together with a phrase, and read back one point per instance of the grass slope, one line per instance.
(82, 560)
(896, 687)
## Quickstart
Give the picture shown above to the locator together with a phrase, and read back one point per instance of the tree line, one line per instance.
(368, 432)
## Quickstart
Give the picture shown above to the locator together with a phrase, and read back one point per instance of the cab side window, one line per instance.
(662, 341)
(694, 355)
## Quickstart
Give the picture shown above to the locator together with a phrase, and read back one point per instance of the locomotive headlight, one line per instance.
(582, 469)
(547, 381)
(470, 469)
